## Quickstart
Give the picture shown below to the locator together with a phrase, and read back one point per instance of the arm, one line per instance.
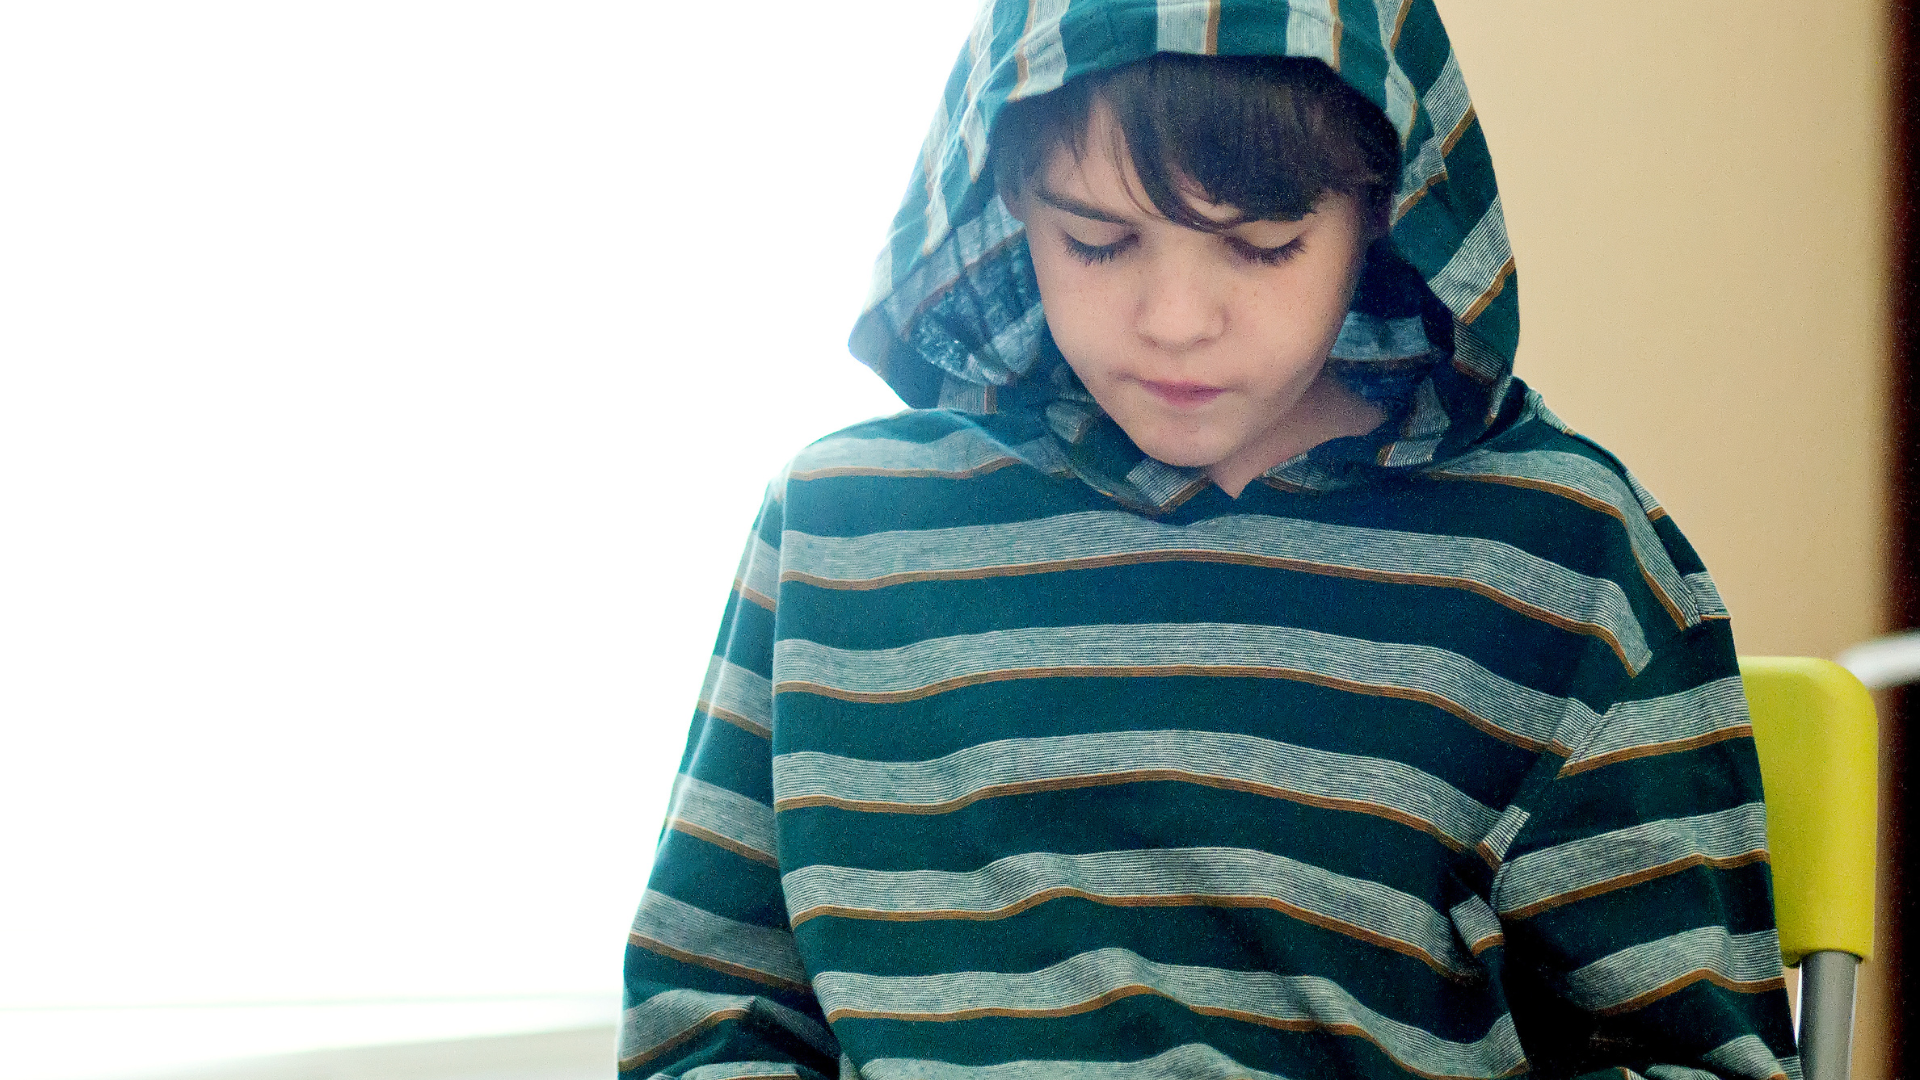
(715, 989)
(1635, 897)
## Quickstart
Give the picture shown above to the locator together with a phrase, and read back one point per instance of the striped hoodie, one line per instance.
(1024, 756)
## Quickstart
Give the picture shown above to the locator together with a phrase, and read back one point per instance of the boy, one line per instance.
(1240, 674)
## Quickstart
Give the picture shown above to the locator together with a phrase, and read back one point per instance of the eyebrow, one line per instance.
(1086, 210)
(1076, 207)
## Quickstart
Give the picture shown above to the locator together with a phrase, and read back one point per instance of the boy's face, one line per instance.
(1208, 349)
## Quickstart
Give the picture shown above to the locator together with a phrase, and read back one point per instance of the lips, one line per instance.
(1184, 395)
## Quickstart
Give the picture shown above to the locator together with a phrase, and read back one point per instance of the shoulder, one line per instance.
(924, 443)
(1564, 494)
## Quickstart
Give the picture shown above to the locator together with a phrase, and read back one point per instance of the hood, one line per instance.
(954, 318)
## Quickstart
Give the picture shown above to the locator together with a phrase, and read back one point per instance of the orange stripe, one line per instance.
(1323, 921)
(941, 474)
(1134, 990)
(734, 718)
(653, 945)
(1232, 558)
(1756, 986)
(1499, 285)
(1226, 671)
(1114, 779)
(709, 1021)
(717, 840)
(1673, 746)
(1623, 881)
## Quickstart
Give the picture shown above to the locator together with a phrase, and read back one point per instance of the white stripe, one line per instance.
(738, 691)
(1748, 1056)
(1621, 977)
(1475, 264)
(759, 568)
(672, 1014)
(1230, 757)
(1086, 977)
(1720, 705)
(1045, 54)
(722, 812)
(1182, 26)
(1208, 874)
(1218, 650)
(1310, 30)
(1193, 1061)
(1598, 482)
(679, 925)
(1553, 872)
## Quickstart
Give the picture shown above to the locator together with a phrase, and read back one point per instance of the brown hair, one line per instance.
(1266, 135)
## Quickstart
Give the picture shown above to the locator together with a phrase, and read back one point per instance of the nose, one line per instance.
(1179, 307)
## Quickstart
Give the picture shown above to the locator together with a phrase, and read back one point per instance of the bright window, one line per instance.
(388, 388)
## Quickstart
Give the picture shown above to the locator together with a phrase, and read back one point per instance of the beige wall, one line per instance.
(1695, 195)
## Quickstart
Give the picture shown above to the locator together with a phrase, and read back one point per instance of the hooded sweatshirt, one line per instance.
(1025, 755)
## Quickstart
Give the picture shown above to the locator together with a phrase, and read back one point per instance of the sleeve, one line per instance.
(1634, 895)
(715, 988)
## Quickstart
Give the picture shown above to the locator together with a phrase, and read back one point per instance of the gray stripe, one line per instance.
(1476, 921)
(1500, 837)
(1513, 711)
(1081, 982)
(1706, 596)
(731, 1070)
(1679, 1072)
(1692, 713)
(1182, 25)
(1446, 102)
(1193, 1061)
(735, 690)
(960, 453)
(1749, 1056)
(1232, 758)
(722, 812)
(1310, 30)
(1598, 482)
(1475, 265)
(672, 1014)
(1633, 972)
(678, 925)
(1520, 577)
(759, 569)
(1376, 911)
(1046, 56)
(1550, 873)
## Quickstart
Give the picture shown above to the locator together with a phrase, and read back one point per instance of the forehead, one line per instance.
(1098, 169)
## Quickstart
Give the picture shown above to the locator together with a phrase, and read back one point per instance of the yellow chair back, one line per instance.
(1814, 726)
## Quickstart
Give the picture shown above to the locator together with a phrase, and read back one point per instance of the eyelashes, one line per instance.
(1093, 254)
(1097, 253)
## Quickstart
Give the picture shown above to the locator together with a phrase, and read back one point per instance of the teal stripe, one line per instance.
(1226, 877)
(1633, 973)
(1542, 878)
(1597, 482)
(681, 926)
(1372, 785)
(672, 1016)
(1748, 1056)
(735, 694)
(1512, 576)
(1506, 709)
(1090, 980)
(1193, 1061)
(724, 813)
(963, 453)
(1693, 714)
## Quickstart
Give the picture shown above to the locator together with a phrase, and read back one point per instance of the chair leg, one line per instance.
(1826, 1015)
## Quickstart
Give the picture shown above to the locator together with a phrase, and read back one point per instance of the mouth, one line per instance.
(1182, 394)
